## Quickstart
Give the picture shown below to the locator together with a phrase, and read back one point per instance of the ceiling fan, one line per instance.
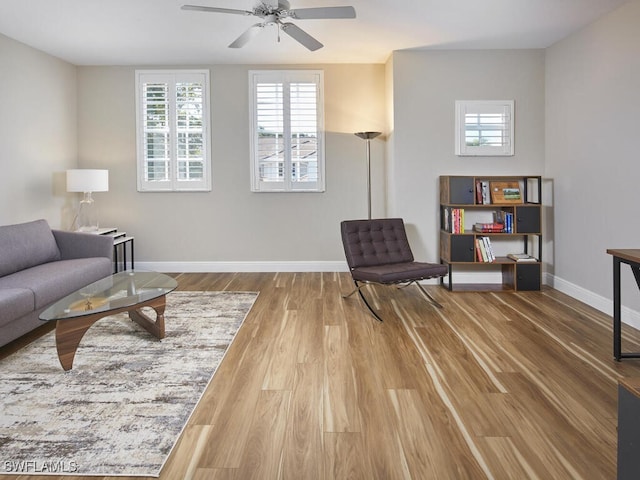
(273, 12)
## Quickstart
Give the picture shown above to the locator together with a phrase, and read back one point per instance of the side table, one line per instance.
(120, 242)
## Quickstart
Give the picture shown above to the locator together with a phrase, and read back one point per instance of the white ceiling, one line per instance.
(158, 32)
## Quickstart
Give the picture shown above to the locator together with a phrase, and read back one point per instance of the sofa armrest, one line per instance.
(83, 245)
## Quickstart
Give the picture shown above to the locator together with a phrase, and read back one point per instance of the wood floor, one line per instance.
(496, 386)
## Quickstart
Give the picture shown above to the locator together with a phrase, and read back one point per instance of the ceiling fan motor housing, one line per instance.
(266, 10)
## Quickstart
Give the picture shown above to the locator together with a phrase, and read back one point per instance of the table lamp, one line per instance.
(87, 181)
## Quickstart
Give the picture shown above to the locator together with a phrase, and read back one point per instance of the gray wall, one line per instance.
(37, 134)
(592, 98)
(426, 85)
(217, 230)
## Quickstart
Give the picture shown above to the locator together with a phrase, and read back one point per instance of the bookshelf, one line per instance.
(485, 218)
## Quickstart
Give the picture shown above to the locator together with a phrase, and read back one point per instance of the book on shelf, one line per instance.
(458, 225)
(493, 227)
(505, 218)
(482, 192)
(484, 251)
(505, 192)
(521, 257)
(453, 220)
(508, 222)
(481, 251)
(489, 248)
(479, 255)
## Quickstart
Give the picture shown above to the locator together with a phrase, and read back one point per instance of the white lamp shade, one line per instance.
(87, 180)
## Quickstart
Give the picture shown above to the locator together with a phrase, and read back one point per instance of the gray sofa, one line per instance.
(38, 266)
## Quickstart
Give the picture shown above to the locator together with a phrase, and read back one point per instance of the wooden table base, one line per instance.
(69, 332)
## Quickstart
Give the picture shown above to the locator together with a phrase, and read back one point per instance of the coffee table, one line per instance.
(128, 291)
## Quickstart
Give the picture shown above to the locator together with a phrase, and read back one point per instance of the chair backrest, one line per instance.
(374, 242)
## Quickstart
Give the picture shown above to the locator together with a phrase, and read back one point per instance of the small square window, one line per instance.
(484, 127)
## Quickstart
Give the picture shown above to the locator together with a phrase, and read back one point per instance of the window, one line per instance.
(484, 128)
(287, 138)
(172, 119)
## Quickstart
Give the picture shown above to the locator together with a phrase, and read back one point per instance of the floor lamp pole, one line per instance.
(368, 136)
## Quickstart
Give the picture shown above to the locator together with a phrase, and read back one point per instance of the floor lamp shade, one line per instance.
(368, 136)
(87, 181)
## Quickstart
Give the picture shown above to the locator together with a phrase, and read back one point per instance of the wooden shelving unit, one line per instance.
(518, 197)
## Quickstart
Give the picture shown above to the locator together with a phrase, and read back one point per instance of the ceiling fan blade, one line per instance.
(198, 8)
(323, 12)
(243, 39)
(301, 36)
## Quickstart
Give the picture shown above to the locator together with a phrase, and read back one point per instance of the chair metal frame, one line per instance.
(359, 287)
(389, 247)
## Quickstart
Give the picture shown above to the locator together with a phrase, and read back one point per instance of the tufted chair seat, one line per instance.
(377, 251)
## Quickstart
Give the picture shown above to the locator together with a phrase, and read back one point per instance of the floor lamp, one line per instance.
(368, 136)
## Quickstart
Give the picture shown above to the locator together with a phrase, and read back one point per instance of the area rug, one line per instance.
(121, 409)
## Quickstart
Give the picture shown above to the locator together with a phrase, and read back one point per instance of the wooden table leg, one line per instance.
(69, 333)
(155, 328)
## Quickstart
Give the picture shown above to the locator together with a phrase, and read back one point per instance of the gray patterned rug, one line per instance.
(122, 407)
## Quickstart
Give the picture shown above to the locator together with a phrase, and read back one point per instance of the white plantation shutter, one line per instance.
(304, 132)
(189, 127)
(173, 132)
(287, 131)
(156, 131)
(484, 128)
(270, 143)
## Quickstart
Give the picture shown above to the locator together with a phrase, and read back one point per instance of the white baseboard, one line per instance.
(226, 267)
(605, 305)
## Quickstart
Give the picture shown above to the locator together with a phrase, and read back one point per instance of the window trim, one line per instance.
(172, 77)
(286, 76)
(506, 107)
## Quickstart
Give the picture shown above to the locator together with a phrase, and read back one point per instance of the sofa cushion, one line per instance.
(14, 303)
(52, 281)
(25, 245)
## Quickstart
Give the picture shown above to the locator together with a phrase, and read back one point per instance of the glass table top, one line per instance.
(121, 290)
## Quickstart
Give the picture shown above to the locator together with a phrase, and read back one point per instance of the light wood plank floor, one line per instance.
(496, 386)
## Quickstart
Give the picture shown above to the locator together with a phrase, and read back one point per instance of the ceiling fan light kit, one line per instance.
(273, 13)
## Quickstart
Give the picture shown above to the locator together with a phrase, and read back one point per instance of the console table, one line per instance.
(632, 258)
